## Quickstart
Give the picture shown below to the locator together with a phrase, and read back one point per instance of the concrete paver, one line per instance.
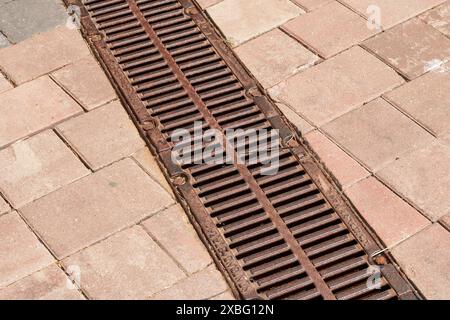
(95, 207)
(439, 18)
(128, 265)
(311, 4)
(445, 220)
(295, 119)
(102, 136)
(342, 29)
(336, 86)
(412, 48)
(4, 207)
(377, 133)
(248, 20)
(21, 253)
(32, 168)
(275, 56)
(4, 42)
(4, 84)
(50, 283)
(33, 107)
(207, 3)
(425, 259)
(392, 219)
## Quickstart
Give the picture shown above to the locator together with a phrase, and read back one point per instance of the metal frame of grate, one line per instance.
(286, 236)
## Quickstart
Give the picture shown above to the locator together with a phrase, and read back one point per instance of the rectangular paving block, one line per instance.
(251, 18)
(336, 86)
(392, 218)
(4, 84)
(391, 12)
(21, 253)
(330, 29)
(32, 168)
(42, 54)
(95, 207)
(377, 133)
(173, 231)
(128, 265)
(4, 207)
(295, 119)
(412, 48)
(207, 3)
(274, 56)
(425, 259)
(102, 136)
(86, 82)
(32, 107)
(20, 19)
(202, 285)
(50, 283)
(426, 99)
(345, 169)
(439, 18)
(311, 4)
(423, 177)
(445, 220)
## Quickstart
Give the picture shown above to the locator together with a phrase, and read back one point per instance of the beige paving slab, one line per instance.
(377, 133)
(295, 119)
(274, 56)
(345, 169)
(21, 253)
(311, 4)
(445, 220)
(173, 231)
(251, 18)
(425, 259)
(202, 285)
(128, 265)
(426, 99)
(226, 296)
(423, 177)
(87, 83)
(392, 218)
(207, 3)
(50, 283)
(330, 29)
(336, 86)
(42, 54)
(32, 168)
(95, 207)
(412, 48)
(439, 18)
(4, 207)
(392, 12)
(102, 136)
(5, 85)
(32, 107)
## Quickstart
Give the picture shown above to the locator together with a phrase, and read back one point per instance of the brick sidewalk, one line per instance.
(81, 195)
(373, 103)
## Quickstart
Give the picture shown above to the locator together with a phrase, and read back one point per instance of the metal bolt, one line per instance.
(180, 180)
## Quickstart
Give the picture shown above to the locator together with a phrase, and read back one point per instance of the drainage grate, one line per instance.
(284, 236)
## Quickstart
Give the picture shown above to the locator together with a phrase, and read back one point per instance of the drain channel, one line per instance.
(284, 236)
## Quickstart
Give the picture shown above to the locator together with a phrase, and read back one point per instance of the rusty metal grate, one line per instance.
(285, 236)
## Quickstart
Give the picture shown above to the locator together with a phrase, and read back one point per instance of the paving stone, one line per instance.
(128, 265)
(207, 3)
(251, 18)
(274, 56)
(377, 133)
(346, 170)
(330, 29)
(172, 230)
(4, 207)
(423, 177)
(21, 253)
(311, 4)
(32, 107)
(103, 135)
(445, 220)
(336, 86)
(439, 18)
(425, 259)
(81, 77)
(392, 12)
(4, 42)
(4, 84)
(50, 283)
(20, 19)
(227, 295)
(426, 99)
(202, 285)
(392, 218)
(145, 158)
(412, 48)
(32, 168)
(295, 119)
(95, 207)
(42, 54)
